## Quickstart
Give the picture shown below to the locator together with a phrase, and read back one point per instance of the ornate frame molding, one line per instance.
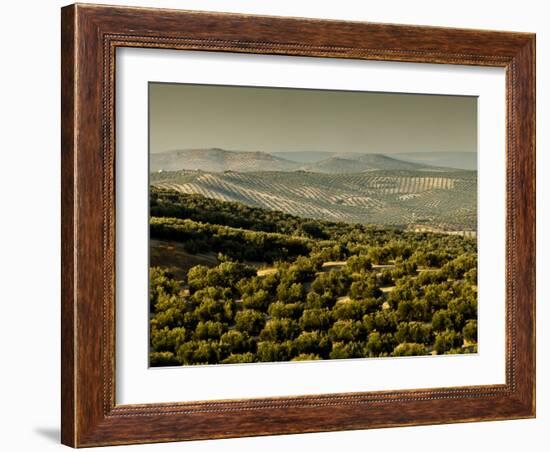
(90, 37)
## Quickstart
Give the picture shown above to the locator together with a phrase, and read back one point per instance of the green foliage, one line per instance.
(235, 243)
(306, 357)
(239, 358)
(447, 340)
(280, 330)
(325, 290)
(417, 332)
(165, 203)
(215, 310)
(312, 342)
(199, 352)
(374, 346)
(313, 230)
(167, 339)
(249, 321)
(259, 300)
(235, 342)
(409, 349)
(291, 293)
(442, 320)
(315, 319)
(209, 330)
(350, 309)
(470, 331)
(359, 263)
(269, 351)
(325, 300)
(403, 269)
(347, 331)
(280, 310)
(161, 285)
(456, 268)
(227, 274)
(383, 321)
(169, 314)
(364, 288)
(159, 359)
(341, 350)
(412, 310)
(333, 282)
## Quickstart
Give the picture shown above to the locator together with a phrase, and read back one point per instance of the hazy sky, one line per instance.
(274, 119)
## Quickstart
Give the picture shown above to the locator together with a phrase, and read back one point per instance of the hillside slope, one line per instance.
(458, 160)
(443, 200)
(218, 160)
(356, 163)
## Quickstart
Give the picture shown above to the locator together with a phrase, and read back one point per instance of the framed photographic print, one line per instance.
(281, 225)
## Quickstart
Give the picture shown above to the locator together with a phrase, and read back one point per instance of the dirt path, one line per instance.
(266, 271)
(172, 256)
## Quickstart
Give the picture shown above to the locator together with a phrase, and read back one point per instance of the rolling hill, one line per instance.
(357, 163)
(438, 199)
(458, 160)
(220, 160)
(303, 156)
(429, 160)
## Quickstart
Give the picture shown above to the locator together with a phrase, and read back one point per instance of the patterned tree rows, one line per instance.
(279, 287)
(376, 197)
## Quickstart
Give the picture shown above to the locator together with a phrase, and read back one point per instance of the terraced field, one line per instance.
(442, 200)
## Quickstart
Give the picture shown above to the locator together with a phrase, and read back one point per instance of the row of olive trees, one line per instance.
(237, 315)
(298, 309)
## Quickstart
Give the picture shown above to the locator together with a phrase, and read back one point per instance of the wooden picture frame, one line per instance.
(90, 36)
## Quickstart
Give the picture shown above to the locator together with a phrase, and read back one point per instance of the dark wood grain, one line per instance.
(67, 224)
(90, 36)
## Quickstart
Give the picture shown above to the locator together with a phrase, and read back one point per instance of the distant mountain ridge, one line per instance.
(450, 159)
(304, 156)
(350, 162)
(221, 160)
(218, 160)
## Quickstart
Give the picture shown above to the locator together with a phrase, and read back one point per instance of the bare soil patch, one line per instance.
(172, 256)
